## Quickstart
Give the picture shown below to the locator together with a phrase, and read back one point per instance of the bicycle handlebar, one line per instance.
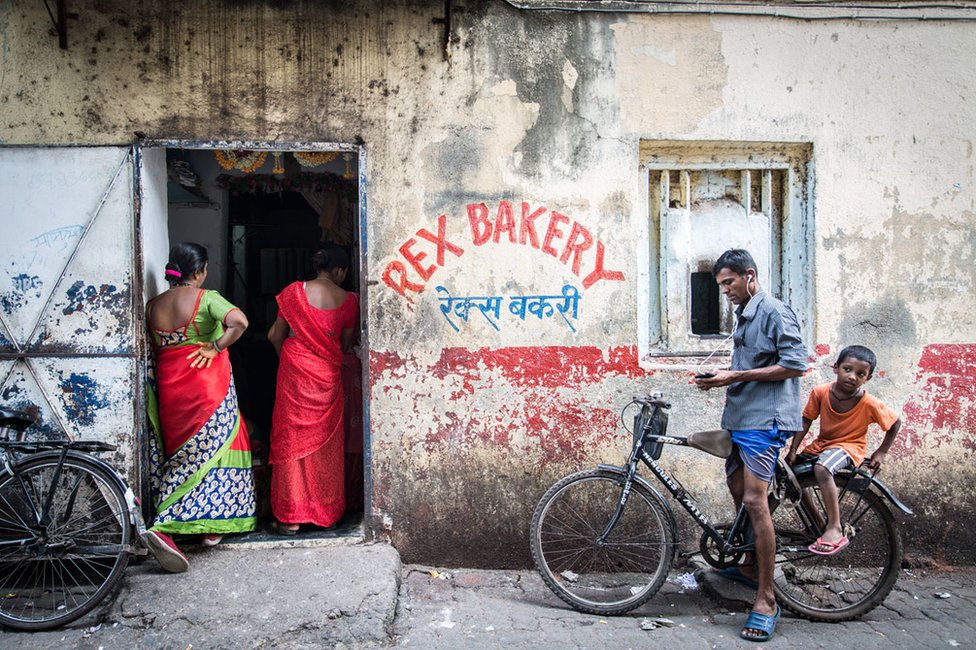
(654, 399)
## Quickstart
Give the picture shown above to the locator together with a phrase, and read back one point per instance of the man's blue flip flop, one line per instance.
(761, 622)
(735, 575)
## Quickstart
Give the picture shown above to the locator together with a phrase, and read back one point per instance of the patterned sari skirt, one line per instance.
(200, 455)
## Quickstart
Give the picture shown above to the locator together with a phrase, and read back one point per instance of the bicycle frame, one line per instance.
(639, 454)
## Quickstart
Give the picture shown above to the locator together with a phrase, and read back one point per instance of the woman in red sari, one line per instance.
(316, 322)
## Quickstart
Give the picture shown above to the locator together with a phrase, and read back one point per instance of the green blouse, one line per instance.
(205, 325)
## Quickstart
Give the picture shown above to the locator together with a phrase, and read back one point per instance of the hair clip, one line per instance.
(175, 274)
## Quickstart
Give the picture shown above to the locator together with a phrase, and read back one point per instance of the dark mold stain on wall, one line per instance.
(533, 51)
(878, 325)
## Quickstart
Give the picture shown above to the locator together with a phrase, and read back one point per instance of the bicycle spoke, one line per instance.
(91, 526)
(15, 511)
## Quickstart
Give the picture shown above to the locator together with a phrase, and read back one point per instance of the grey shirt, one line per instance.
(766, 334)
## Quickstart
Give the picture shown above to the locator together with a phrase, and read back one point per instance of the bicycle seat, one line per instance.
(804, 465)
(717, 442)
(14, 419)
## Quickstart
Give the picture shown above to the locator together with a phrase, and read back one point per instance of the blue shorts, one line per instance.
(756, 450)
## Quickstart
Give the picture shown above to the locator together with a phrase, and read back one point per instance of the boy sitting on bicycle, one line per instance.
(846, 411)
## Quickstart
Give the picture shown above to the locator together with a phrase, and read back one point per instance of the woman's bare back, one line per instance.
(324, 294)
(172, 309)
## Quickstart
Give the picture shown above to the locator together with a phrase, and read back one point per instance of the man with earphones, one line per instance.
(762, 410)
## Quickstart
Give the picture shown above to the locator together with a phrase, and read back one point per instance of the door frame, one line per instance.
(369, 524)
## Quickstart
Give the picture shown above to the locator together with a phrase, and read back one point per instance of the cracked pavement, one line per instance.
(462, 608)
(359, 596)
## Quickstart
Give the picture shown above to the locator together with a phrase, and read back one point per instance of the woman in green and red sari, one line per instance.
(200, 455)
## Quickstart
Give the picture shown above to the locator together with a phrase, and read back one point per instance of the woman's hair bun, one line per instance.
(185, 260)
(329, 257)
(173, 272)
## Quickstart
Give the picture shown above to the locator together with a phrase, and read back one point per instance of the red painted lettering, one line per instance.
(415, 258)
(527, 227)
(402, 283)
(480, 226)
(504, 222)
(578, 241)
(599, 273)
(440, 239)
(552, 232)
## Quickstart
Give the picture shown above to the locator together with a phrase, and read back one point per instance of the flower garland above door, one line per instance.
(246, 161)
(315, 158)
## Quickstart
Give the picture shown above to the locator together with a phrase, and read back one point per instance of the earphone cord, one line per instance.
(718, 347)
(735, 324)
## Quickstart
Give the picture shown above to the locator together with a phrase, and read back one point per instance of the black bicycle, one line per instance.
(68, 526)
(604, 539)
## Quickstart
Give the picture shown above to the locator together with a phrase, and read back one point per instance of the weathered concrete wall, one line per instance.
(533, 125)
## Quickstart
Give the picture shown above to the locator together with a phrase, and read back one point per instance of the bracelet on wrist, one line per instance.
(215, 346)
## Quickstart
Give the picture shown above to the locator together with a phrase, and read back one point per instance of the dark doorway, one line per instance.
(706, 316)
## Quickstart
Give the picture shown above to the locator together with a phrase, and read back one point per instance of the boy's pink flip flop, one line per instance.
(835, 547)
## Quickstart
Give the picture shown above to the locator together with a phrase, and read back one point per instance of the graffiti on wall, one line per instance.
(534, 227)
(80, 295)
(59, 238)
(27, 285)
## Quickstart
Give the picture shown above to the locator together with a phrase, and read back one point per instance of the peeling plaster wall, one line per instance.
(532, 127)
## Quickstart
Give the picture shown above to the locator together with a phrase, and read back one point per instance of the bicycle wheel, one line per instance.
(617, 575)
(55, 571)
(849, 584)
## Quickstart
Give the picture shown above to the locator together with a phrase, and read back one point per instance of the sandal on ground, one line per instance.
(832, 547)
(278, 528)
(734, 574)
(166, 552)
(211, 540)
(761, 623)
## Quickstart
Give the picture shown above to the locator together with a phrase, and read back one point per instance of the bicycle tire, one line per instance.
(54, 573)
(605, 579)
(847, 585)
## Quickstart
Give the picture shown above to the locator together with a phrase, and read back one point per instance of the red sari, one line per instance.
(307, 445)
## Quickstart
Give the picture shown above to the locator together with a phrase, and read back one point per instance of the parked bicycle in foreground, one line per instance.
(68, 526)
(604, 538)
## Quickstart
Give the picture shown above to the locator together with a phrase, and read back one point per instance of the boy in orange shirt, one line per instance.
(846, 411)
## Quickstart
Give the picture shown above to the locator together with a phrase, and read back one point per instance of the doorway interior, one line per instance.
(262, 214)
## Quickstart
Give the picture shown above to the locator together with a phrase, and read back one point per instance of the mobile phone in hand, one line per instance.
(704, 375)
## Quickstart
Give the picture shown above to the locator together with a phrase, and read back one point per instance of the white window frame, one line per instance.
(791, 273)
